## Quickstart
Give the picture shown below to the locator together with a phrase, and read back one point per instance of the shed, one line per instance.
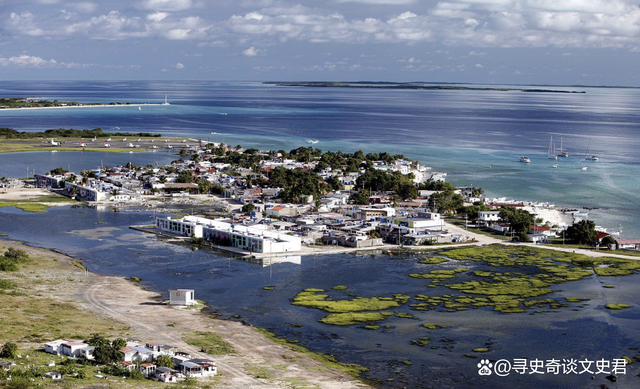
(182, 297)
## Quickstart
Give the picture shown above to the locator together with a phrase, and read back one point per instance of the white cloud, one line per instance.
(31, 61)
(478, 65)
(389, 2)
(167, 5)
(251, 52)
(179, 66)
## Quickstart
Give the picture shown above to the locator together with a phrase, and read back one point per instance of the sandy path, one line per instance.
(149, 320)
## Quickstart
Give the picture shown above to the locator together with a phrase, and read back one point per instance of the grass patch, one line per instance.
(351, 318)
(617, 307)
(311, 298)
(340, 287)
(432, 260)
(481, 350)
(270, 287)
(431, 326)
(209, 342)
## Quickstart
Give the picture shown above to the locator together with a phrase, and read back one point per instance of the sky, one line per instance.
(566, 42)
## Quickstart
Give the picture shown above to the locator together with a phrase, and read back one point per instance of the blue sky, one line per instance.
(595, 42)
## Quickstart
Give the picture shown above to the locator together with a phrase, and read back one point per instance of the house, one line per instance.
(130, 366)
(148, 369)
(54, 347)
(374, 213)
(6, 365)
(501, 227)
(488, 217)
(537, 238)
(628, 244)
(166, 375)
(159, 348)
(75, 348)
(182, 297)
(133, 353)
(199, 368)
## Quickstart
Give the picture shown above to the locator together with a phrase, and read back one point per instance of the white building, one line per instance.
(488, 217)
(255, 238)
(182, 297)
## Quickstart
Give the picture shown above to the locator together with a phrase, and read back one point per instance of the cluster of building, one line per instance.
(142, 357)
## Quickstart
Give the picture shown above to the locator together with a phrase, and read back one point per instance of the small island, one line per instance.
(14, 103)
(412, 85)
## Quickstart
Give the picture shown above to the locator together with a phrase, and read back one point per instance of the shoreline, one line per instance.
(133, 305)
(133, 105)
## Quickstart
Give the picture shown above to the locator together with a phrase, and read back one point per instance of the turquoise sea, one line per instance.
(475, 136)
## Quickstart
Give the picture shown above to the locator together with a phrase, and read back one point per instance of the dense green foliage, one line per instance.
(106, 352)
(446, 201)
(582, 232)
(9, 350)
(382, 181)
(519, 219)
(296, 184)
(12, 258)
(9, 133)
(165, 361)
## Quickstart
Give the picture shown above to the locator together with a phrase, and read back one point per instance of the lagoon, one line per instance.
(234, 289)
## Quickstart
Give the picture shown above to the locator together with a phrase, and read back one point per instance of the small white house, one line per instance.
(54, 347)
(488, 216)
(53, 375)
(182, 297)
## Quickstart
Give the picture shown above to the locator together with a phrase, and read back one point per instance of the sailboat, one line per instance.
(139, 108)
(166, 100)
(590, 157)
(552, 149)
(561, 151)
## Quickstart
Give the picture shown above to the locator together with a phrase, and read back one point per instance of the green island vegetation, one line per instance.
(37, 204)
(340, 287)
(431, 326)
(348, 312)
(523, 276)
(209, 342)
(9, 133)
(432, 260)
(26, 102)
(421, 342)
(411, 85)
(617, 307)
(268, 287)
(327, 360)
(481, 350)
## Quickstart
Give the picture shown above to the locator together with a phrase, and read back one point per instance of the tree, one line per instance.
(59, 170)
(203, 185)
(608, 241)
(446, 201)
(165, 361)
(582, 232)
(519, 219)
(248, 208)
(361, 198)
(185, 177)
(9, 350)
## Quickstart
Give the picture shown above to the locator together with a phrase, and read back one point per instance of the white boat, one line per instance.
(555, 166)
(223, 113)
(214, 133)
(588, 156)
(139, 108)
(561, 151)
(552, 149)
(584, 168)
(525, 159)
(166, 100)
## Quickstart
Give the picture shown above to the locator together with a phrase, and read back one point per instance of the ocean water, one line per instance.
(475, 136)
(102, 238)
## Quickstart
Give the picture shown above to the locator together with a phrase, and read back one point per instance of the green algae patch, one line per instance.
(270, 287)
(432, 260)
(575, 300)
(431, 326)
(340, 287)
(351, 318)
(608, 286)
(617, 307)
(629, 360)
(421, 342)
(481, 350)
(371, 327)
(311, 298)
(438, 274)
(403, 315)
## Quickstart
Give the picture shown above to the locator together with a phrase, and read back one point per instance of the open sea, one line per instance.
(475, 136)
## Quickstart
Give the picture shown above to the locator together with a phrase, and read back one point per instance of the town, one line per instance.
(264, 203)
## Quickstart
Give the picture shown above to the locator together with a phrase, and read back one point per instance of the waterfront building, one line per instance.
(182, 297)
(254, 238)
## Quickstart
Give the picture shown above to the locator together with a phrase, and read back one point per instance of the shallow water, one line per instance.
(234, 287)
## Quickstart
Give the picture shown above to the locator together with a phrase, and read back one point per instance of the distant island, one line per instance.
(14, 103)
(410, 85)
